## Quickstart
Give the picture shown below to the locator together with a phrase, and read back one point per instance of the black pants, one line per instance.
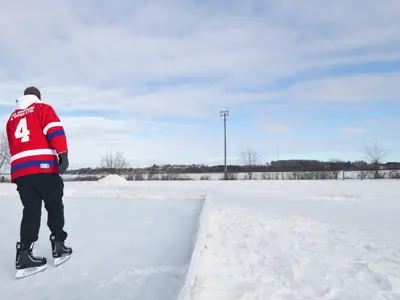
(33, 189)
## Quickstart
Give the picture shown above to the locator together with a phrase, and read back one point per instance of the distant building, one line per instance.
(392, 165)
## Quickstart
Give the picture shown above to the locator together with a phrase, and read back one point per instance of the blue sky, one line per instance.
(301, 79)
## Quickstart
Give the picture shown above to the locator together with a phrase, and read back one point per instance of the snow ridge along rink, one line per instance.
(198, 250)
(278, 240)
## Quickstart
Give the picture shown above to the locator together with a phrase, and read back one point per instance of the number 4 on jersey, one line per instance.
(22, 131)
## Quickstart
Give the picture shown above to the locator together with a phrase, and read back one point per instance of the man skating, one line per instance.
(39, 153)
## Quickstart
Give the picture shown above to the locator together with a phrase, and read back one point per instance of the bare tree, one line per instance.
(4, 152)
(249, 158)
(375, 155)
(114, 162)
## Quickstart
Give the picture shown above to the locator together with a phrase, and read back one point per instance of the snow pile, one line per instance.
(113, 180)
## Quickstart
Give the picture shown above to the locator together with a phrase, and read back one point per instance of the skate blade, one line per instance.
(60, 260)
(29, 271)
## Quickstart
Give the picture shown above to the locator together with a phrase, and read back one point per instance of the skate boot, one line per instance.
(26, 262)
(61, 253)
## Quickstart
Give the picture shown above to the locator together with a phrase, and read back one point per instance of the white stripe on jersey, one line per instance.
(33, 153)
(51, 125)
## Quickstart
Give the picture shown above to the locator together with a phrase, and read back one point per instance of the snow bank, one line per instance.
(198, 249)
(253, 253)
(113, 180)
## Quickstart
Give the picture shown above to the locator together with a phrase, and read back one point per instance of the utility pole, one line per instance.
(225, 114)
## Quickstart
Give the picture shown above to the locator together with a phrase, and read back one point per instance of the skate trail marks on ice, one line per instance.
(123, 249)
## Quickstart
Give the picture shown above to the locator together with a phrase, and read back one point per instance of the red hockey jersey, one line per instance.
(35, 136)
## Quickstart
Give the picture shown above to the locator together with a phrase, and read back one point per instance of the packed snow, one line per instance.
(202, 240)
(113, 180)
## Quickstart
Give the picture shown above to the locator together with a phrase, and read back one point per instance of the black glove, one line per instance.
(63, 162)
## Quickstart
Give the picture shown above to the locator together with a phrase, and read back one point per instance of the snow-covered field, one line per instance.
(275, 240)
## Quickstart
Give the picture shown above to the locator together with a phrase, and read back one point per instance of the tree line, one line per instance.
(249, 163)
(275, 166)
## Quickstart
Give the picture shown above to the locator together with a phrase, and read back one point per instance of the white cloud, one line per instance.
(352, 130)
(270, 125)
(158, 40)
(142, 142)
(369, 87)
(131, 58)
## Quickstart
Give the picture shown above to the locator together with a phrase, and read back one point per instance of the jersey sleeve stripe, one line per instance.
(54, 134)
(51, 125)
(33, 163)
(33, 153)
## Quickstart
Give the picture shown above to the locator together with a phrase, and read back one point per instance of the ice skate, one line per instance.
(27, 263)
(61, 253)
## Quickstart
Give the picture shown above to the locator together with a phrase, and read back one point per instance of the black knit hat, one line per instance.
(33, 91)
